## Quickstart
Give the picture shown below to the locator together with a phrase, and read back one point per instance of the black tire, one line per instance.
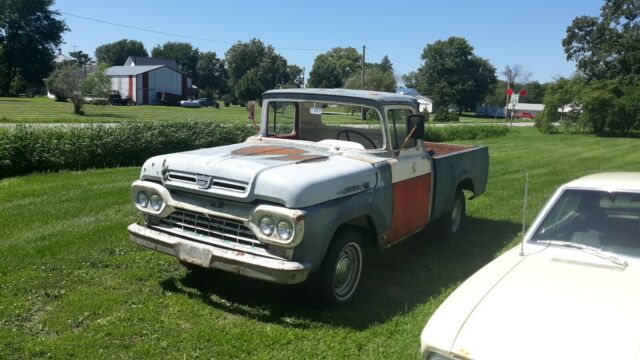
(335, 282)
(452, 223)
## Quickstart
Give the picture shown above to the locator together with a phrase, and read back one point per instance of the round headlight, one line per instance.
(142, 199)
(267, 225)
(285, 229)
(156, 202)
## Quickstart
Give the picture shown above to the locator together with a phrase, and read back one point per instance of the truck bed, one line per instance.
(452, 165)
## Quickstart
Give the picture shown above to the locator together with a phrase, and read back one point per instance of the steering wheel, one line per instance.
(346, 134)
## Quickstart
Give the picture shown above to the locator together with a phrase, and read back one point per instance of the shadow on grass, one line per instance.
(395, 281)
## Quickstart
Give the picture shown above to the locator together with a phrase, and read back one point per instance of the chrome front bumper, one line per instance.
(208, 256)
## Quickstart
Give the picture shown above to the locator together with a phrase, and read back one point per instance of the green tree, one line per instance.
(254, 68)
(452, 74)
(295, 76)
(375, 79)
(333, 68)
(496, 95)
(212, 74)
(562, 95)
(411, 79)
(29, 32)
(385, 64)
(324, 73)
(116, 53)
(80, 57)
(607, 46)
(184, 54)
(70, 82)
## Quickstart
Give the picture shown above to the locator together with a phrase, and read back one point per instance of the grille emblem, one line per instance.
(203, 181)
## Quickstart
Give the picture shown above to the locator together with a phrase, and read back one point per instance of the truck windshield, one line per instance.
(599, 219)
(359, 125)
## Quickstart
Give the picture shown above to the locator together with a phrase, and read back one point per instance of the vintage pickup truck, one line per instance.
(330, 172)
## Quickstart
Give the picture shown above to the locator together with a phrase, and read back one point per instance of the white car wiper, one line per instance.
(590, 249)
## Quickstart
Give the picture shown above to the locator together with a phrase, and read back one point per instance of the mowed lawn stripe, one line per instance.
(73, 285)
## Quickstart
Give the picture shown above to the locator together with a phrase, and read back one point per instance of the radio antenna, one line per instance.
(524, 213)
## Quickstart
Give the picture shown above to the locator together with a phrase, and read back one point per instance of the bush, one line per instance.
(25, 149)
(464, 132)
(444, 115)
(226, 99)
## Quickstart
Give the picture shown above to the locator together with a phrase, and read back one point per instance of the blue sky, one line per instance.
(505, 32)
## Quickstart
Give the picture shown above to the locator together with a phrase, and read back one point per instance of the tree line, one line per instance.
(603, 97)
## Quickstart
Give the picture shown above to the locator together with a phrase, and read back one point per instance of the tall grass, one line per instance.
(73, 286)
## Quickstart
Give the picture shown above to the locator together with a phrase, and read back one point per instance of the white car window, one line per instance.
(595, 218)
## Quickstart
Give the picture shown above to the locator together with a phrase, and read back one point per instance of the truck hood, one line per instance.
(296, 176)
(557, 303)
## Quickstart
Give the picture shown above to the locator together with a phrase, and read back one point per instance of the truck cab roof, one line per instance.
(364, 97)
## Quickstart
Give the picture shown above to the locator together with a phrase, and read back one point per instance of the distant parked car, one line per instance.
(570, 291)
(495, 112)
(208, 102)
(191, 103)
(523, 115)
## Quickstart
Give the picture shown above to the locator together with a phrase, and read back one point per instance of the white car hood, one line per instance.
(557, 303)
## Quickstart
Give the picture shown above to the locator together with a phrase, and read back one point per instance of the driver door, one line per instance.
(411, 178)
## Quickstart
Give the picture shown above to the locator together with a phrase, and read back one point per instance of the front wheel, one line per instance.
(337, 279)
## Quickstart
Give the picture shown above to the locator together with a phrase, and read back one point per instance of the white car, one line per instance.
(572, 291)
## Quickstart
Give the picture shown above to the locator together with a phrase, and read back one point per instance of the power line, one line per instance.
(176, 35)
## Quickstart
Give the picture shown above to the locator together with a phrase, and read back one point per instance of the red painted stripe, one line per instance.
(130, 87)
(145, 88)
(411, 199)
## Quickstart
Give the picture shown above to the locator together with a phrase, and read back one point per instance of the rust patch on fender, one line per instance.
(267, 150)
(286, 153)
(300, 158)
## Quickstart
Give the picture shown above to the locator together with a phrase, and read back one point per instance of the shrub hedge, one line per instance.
(26, 149)
(464, 132)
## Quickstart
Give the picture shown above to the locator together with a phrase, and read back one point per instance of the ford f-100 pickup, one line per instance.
(330, 172)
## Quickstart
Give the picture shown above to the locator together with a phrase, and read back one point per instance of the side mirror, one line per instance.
(415, 121)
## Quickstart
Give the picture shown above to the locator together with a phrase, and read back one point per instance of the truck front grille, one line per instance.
(210, 229)
(215, 181)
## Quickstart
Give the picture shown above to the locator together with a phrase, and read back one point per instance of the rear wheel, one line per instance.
(452, 223)
(337, 279)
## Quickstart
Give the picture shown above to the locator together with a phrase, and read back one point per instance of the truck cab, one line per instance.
(330, 172)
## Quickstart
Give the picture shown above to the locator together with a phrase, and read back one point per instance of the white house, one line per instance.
(424, 103)
(528, 107)
(143, 79)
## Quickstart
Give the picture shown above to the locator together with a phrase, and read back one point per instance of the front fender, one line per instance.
(322, 221)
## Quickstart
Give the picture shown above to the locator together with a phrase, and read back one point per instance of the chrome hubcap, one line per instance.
(456, 214)
(347, 271)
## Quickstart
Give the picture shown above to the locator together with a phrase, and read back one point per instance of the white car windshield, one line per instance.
(597, 219)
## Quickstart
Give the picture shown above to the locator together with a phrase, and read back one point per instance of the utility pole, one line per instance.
(362, 64)
(362, 70)
(304, 69)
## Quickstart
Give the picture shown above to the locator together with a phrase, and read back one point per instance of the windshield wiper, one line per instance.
(590, 249)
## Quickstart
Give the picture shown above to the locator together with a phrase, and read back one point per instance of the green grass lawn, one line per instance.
(45, 110)
(73, 286)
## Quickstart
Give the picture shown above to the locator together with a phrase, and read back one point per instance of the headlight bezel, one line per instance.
(294, 217)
